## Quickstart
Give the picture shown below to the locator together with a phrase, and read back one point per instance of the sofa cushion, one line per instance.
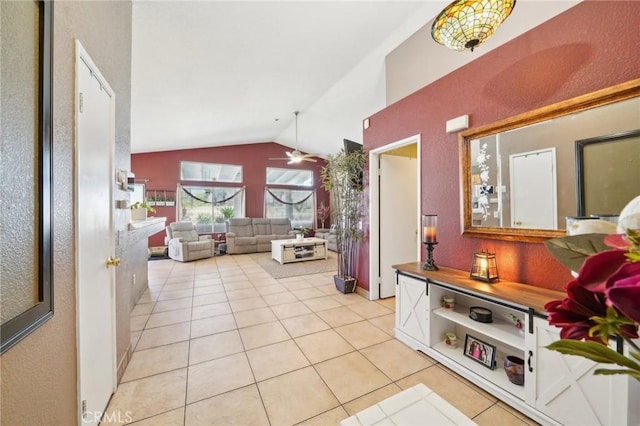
(241, 226)
(183, 230)
(261, 226)
(265, 239)
(200, 245)
(246, 241)
(280, 226)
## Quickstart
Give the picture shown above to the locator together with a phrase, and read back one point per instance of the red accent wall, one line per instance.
(162, 171)
(591, 46)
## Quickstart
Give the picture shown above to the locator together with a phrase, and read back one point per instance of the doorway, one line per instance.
(95, 280)
(394, 212)
(533, 189)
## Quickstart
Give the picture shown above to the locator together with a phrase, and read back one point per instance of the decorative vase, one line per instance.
(514, 367)
(138, 214)
(299, 237)
(448, 302)
(451, 340)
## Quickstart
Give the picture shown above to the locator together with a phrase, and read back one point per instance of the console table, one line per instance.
(286, 251)
(557, 388)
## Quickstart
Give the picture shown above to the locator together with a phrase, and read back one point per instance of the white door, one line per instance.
(95, 127)
(533, 189)
(398, 217)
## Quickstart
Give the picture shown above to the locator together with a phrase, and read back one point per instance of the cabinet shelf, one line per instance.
(497, 375)
(499, 330)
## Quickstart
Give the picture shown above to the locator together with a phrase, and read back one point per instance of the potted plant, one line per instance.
(227, 212)
(302, 232)
(342, 178)
(139, 210)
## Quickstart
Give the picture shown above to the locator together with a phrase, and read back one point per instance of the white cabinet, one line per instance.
(558, 389)
(567, 390)
(412, 316)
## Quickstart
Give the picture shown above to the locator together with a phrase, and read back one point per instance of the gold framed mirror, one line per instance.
(518, 175)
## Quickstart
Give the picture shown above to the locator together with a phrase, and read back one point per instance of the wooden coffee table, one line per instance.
(287, 251)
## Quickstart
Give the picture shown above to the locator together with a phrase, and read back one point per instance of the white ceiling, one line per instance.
(214, 73)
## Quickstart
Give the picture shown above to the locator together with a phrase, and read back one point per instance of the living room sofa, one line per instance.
(330, 236)
(253, 235)
(185, 245)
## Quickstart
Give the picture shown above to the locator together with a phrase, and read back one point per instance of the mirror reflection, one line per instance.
(528, 180)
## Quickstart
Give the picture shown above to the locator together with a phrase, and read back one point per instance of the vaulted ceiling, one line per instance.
(215, 73)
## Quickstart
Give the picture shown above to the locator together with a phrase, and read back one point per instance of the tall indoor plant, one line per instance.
(342, 178)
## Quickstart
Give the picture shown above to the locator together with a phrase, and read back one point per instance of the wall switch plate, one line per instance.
(122, 204)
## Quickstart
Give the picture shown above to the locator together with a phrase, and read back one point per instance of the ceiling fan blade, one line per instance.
(279, 158)
(313, 160)
(290, 155)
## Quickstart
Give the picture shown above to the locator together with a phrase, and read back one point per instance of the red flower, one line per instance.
(623, 290)
(618, 241)
(601, 275)
(599, 267)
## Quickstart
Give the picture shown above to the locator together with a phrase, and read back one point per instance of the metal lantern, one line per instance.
(483, 267)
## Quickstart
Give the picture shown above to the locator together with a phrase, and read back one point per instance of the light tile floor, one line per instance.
(219, 341)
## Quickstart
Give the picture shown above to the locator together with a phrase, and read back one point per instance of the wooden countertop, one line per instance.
(517, 293)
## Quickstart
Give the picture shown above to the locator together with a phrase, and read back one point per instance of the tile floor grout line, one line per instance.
(186, 382)
(289, 289)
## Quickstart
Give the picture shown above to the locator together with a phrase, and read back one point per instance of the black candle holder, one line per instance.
(429, 264)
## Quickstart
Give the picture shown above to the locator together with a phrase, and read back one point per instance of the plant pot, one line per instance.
(138, 214)
(514, 367)
(344, 284)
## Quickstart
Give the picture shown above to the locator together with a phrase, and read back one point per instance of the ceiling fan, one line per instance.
(296, 156)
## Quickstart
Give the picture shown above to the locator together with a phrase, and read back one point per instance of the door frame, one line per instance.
(374, 208)
(82, 56)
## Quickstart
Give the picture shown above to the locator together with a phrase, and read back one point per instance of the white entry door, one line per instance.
(95, 128)
(533, 189)
(398, 217)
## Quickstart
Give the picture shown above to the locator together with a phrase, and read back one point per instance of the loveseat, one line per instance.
(330, 236)
(185, 245)
(252, 235)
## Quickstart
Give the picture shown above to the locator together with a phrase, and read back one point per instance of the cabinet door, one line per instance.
(412, 306)
(566, 388)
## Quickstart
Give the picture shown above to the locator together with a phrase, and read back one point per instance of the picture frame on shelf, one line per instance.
(480, 351)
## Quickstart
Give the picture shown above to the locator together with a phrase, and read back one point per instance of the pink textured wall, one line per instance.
(589, 47)
(162, 169)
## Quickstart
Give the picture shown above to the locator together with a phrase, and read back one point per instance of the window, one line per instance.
(296, 204)
(289, 177)
(210, 172)
(209, 207)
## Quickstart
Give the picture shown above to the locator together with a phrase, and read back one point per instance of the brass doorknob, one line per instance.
(518, 223)
(113, 261)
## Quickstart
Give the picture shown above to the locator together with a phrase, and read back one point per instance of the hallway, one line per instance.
(220, 341)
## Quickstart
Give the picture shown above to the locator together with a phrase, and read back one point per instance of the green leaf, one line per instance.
(593, 351)
(572, 250)
(605, 372)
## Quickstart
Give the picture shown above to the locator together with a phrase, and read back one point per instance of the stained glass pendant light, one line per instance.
(464, 24)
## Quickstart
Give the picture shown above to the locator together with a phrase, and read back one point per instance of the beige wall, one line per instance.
(39, 373)
(18, 111)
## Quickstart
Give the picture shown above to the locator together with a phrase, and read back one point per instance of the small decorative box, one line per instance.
(480, 314)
